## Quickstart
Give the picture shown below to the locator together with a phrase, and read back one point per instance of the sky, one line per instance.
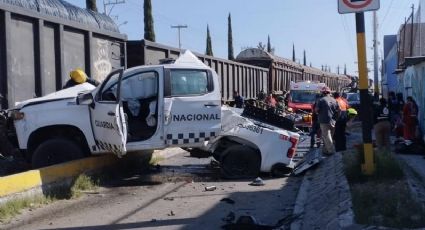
(315, 26)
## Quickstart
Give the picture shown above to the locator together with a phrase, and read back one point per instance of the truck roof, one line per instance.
(307, 85)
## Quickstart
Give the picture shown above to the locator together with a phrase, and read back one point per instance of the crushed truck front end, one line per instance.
(276, 146)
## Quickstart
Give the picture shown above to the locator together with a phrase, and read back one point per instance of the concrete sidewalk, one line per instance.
(324, 198)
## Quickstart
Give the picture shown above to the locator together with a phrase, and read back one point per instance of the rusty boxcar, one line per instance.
(247, 79)
(42, 41)
(282, 71)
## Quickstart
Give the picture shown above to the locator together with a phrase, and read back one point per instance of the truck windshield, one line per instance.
(303, 96)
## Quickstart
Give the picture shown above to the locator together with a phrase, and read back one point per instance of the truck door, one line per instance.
(192, 107)
(107, 116)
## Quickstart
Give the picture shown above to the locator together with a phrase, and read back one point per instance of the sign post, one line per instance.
(358, 7)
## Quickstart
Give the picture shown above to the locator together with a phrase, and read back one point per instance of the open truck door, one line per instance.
(107, 116)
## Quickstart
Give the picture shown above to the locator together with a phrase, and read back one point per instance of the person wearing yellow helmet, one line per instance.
(78, 76)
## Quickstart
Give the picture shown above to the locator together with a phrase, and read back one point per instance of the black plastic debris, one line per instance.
(228, 200)
(247, 223)
(230, 217)
(257, 182)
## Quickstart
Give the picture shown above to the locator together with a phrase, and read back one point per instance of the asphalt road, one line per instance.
(172, 197)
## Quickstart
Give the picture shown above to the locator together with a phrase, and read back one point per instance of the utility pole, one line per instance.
(179, 27)
(111, 3)
(375, 55)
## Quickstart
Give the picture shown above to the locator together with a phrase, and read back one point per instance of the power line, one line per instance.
(111, 3)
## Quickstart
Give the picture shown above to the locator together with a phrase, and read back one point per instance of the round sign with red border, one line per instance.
(357, 6)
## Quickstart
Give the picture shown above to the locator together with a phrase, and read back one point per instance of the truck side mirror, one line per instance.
(85, 99)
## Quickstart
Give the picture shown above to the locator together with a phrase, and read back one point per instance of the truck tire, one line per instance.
(240, 161)
(56, 151)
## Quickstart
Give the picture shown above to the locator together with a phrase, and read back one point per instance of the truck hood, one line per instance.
(68, 93)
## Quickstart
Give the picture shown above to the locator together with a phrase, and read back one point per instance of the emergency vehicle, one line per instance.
(145, 108)
(302, 96)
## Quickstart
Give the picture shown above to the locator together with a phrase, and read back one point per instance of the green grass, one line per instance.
(14, 207)
(83, 183)
(386, 167)
(386, 204)
(383, 199)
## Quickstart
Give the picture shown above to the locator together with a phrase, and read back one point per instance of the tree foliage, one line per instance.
(208, 50)
(269, 45)
(91, 5)
(148, 20)
(293, 52)
(230, 54)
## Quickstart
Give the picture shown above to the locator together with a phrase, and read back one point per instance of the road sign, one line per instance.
(355, 6)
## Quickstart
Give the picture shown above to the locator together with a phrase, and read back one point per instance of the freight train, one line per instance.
(253, 69)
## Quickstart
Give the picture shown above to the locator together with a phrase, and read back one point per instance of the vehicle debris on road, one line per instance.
(228, 200)
(257, 182)
(210, 188)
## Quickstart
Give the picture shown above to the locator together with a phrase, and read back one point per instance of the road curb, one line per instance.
(328, 178)
(44, 180)
(300, 201)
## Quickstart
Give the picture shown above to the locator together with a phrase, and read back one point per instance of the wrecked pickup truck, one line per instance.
(145, 108)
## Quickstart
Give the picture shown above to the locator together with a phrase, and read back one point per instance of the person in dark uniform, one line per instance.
(239, 100)
(261, 96)
(382, 125)
(78, 76)
(341, 124)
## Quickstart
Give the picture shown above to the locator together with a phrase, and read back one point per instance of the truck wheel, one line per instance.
(240, 161)
(56, 151)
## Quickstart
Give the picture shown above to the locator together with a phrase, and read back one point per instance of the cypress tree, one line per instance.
(208, 50)
(345, 69)
(91, 5)
(293, 52)
(148, 19)
(230, 55)
(269, 45)
(305, 59)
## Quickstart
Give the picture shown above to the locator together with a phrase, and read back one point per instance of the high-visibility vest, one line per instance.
(343, 105)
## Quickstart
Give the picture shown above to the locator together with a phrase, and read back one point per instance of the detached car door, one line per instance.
(107, 116)
(192, 107)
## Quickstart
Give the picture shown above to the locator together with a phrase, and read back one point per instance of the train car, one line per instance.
(247, 79)
(42, 41)
(283, 71)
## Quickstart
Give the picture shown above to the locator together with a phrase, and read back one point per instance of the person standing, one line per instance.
(315, 126)
(327, 110)
(239, 100)
(410, 119)
(382, 126)
(271, 103)
(341, 124)
(261, 95)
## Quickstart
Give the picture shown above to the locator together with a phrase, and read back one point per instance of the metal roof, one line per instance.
(259, 54)
(64, 10)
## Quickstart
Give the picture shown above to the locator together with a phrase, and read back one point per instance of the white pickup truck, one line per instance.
(145, 108)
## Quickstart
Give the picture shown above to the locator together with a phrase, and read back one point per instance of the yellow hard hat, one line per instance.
(78, 76)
